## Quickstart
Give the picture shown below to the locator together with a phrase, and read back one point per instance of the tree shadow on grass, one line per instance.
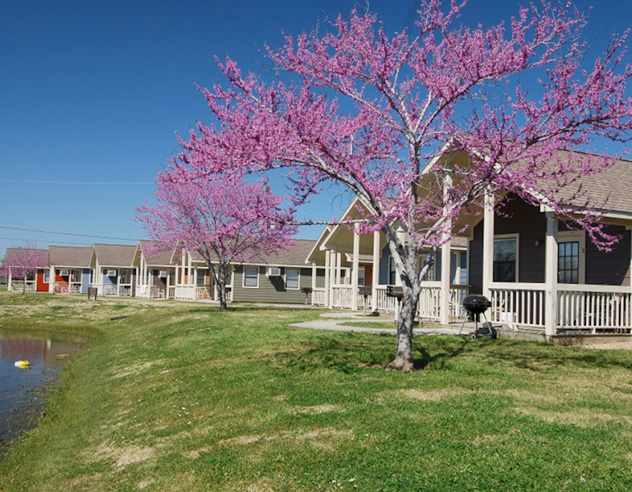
(351, 353)
(436, 357)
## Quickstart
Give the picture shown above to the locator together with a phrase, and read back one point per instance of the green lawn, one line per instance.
(182, 397)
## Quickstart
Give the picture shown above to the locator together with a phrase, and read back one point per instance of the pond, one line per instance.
(22, 391)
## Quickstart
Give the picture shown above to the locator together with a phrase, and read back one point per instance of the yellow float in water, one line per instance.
(22, 364)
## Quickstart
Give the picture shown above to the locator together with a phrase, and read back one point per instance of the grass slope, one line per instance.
(183, 397)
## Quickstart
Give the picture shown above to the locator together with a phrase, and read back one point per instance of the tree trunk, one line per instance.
(405, 321)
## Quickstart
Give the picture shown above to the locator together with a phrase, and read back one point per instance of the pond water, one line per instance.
(22, 391)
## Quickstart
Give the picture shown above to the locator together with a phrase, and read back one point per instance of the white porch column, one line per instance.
(327, 276)
(550, 276)
(488, 245)
(375, 280)
(338, 267)
(356, 267)
(445, 283)
(190, 268)
(444, 308)
(51, 278)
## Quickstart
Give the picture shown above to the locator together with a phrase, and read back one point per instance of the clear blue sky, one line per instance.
(93, 91)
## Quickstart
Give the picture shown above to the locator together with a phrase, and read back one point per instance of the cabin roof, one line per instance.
(70, 256)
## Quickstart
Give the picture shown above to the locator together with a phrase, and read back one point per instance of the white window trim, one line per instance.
(571, 236)
(515, 236)
(298, 278)
(243, 278)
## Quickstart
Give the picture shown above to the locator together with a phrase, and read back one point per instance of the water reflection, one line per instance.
(22, 391)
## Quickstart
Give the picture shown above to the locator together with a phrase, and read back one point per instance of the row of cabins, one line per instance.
(174, 273)
(538, 274)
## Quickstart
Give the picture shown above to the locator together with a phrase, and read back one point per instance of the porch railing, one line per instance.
(156, 292)
(185, 293)
(341, 296)
(385, 304)
(594, 308)
(517, 304)
(318, 297)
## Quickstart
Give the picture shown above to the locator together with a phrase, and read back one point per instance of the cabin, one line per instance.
(281, 278)
(156, 272)
(112, 268)
(359, 271)
(540, 275)
(69, 269)
(37, 279)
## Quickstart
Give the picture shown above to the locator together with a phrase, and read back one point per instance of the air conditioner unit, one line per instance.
(64, 273)
(162, 273)
(110, 273)
(273, 272)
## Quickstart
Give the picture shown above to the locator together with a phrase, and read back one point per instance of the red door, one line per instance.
(41, 286)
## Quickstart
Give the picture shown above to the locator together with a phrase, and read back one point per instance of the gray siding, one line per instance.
(272, 289)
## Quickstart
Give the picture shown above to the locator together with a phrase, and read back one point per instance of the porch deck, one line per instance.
(580, 309)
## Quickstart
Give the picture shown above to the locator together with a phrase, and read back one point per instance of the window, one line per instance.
(201, 278)
(125, 276)
(570, 257)
(506, 259)
(292, 280)
(251, 276)
(361, 276)
(46, 276)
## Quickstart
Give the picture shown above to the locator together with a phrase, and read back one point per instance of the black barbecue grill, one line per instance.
(476, 305)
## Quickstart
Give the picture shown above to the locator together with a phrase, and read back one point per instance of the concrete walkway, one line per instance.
(332, 322)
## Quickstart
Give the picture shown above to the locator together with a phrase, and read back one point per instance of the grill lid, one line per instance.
(476, 304)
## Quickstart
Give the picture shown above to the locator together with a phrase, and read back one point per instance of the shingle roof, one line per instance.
(607, 190)
(117, 255)
(293, 255)
(296, 254)
(70, 256)
(157, 253)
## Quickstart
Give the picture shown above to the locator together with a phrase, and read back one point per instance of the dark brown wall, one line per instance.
(519, 217)
(611, 268)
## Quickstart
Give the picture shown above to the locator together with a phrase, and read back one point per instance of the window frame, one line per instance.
(244, 276)
(298, 278)
(504, 237)
(571, 237)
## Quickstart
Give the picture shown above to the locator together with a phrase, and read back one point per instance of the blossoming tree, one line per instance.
(368, 110)
(22, 263)
(225, 219)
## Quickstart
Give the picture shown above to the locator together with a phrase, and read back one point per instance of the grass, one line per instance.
(183, 397)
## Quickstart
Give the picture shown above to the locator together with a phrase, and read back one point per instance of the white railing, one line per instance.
(185, 293)
(457, 294)
(318, 297)
(171, 292)
(429, 306)
(18, 286)
(594, 308)
(110, 290)
(385, 304)
(342, 297)
(156, 292)
(517, 304)
(125, 291)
